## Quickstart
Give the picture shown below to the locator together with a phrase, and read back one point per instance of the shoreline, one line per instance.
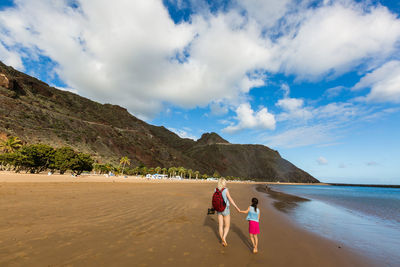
(336, 223)
(336, 184)
(86, 221)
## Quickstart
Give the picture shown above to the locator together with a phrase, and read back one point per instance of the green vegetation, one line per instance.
(124, 161)
(36, 158)
(10, 145)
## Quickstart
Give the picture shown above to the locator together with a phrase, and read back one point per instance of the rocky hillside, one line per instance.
(36, 112)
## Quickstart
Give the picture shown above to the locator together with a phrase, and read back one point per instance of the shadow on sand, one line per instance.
(242, 236)
(213, 224)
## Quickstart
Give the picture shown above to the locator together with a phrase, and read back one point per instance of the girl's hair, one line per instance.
(254, 202)
(221, 183)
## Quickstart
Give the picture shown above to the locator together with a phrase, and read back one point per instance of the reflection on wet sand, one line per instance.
(283, 202)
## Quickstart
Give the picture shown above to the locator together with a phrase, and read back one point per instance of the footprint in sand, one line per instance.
(150, 250)
(21, 254)
(186, 253)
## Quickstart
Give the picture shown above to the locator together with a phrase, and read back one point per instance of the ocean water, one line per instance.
(366, 219)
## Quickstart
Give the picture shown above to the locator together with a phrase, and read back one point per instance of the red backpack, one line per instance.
(218, 202)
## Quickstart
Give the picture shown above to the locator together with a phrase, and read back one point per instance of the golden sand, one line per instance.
(97, 221)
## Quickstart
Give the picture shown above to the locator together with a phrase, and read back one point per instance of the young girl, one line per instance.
(253, 216)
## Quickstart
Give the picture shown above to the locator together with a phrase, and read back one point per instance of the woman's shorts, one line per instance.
(225, 212)
(254, 228)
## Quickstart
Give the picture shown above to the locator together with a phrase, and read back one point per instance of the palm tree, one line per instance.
(190, 172)
(197, 174)
(151, 170)
(136, 170)
(96, 168)
(123, 161)
(11, 144)
(182, 171)
(158, 170)
(170, 171)
(143, 170)
(164, 170)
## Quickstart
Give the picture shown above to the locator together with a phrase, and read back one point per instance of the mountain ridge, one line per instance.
(36, 112)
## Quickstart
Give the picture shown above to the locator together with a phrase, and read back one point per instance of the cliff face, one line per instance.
(36, 112)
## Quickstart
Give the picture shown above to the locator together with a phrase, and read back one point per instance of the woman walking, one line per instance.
(224, 217)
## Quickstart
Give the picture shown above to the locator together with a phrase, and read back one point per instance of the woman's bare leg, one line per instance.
(227, 224)
(221, 226)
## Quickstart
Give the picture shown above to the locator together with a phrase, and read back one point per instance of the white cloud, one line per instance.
(131, 53)
(384, 83)
(10, 58)
(336, 37)
(286, 89)
(183, 133)
(334, 91)
(109, 52)
(249, 119)
(301, 136)
(293, 109)
(337, 111)
(266, 12)
(72, 90)
(218, 109)
(325, 126)
(381, 113)
(290, 104)
(322, 161)
(123, 49)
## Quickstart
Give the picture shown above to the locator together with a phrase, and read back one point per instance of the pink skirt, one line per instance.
(254, 228)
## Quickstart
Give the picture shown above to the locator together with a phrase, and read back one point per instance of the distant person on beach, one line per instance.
(253, 216)
(224, 217)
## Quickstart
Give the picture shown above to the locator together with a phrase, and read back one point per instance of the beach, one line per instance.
(97, 221)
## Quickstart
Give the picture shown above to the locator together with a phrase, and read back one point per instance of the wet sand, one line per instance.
(98, 221)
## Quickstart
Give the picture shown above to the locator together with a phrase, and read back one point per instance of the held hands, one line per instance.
(239, 210)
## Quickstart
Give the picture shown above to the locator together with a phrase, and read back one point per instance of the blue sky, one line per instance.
(316, 80)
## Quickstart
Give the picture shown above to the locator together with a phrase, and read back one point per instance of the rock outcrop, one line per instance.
(210, 139)
(4, 81)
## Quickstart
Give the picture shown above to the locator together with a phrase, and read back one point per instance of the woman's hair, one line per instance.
(221, 183)
(254, 202)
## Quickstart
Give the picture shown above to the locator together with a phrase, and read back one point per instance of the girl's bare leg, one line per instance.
(227, 224)
(252, 240)
(256, 243)
(221, 226)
